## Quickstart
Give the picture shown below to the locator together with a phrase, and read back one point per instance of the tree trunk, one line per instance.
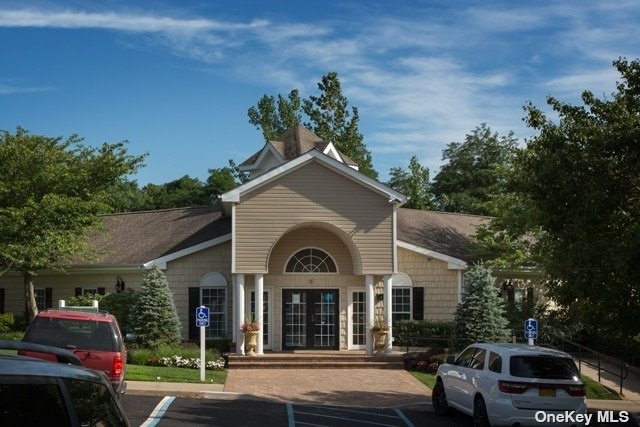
(30, 306)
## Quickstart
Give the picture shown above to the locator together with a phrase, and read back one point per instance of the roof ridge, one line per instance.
(159, 210)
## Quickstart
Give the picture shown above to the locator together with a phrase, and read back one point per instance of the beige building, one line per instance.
(310, 248)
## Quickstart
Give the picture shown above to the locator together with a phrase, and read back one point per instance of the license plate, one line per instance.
(547, 392)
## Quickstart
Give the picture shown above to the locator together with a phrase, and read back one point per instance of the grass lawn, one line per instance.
(171, 374)
(595, 390)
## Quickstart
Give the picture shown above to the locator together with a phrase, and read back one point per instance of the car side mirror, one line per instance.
(451, 360)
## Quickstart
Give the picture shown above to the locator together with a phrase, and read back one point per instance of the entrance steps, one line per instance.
(316, 360)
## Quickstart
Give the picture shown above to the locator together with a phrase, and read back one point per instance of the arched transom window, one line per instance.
(311, 260)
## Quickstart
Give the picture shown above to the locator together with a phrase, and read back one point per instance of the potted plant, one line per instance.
(380, 330)
(250, 328)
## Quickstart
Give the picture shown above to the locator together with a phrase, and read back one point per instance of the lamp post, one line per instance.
(119, 285)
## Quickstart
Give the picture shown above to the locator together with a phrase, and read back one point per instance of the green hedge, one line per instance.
(422, 333)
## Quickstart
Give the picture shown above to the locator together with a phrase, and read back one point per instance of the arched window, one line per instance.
(401, 294)
(311, 260)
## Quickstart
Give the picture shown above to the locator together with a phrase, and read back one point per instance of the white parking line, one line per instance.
(292, 419)
(404, 418)
(158, 412)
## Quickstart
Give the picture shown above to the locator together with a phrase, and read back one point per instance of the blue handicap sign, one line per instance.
(202, 317)
(531, 329)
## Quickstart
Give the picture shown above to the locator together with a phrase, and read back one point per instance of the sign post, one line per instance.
(202, 322)
(530, 330)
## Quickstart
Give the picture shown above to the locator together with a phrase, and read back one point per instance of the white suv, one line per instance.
(512, 385)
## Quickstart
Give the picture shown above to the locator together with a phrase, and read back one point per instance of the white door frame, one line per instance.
(350, 344)
(269, 301)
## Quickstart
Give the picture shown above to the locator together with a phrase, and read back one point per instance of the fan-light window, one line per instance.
(311, 261)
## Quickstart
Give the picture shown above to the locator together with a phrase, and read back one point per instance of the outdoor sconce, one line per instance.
(119, 285)
(380, 297)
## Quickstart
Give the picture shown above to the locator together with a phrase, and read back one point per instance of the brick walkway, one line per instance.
(352, 387)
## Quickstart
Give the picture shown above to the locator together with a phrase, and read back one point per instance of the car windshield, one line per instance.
(82, 334)
(545, 367)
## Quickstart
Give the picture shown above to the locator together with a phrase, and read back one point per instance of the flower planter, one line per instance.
(380, 339)
(250, 343)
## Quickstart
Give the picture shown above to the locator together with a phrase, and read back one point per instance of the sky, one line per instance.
(176, 78)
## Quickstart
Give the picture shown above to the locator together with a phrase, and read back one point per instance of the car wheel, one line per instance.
(480, 417)
(439, 399)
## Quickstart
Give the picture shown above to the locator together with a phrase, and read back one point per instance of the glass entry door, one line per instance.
(310, 319)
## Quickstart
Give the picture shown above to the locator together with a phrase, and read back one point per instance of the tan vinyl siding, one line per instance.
(312, 194)
(440, 284)
(186, 272)
(310, 237)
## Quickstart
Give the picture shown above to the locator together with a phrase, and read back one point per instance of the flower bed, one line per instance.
(184, 362)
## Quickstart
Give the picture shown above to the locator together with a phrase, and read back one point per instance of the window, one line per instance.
(401, 294)
(465, 357)
(41, 298)
(216, 300)
(311, 260)
(495, 362)
(478, 359)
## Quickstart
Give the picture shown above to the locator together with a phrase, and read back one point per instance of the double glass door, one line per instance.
(310, 319)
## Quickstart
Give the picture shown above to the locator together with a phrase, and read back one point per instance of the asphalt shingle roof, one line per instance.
(139, 237)
(444, 232)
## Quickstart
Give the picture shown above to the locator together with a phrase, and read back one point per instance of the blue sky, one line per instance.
(176, 78)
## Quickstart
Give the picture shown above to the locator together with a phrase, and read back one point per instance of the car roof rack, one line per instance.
(62, 356)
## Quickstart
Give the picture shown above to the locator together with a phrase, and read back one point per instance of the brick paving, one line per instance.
(381, 388)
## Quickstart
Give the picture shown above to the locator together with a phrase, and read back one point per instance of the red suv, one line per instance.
(94, 337)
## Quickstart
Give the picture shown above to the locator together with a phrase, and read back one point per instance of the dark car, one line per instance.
(94, 337)
(35, 392)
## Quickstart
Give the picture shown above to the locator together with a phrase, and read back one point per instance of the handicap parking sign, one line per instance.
(531, 329)
(202, 317)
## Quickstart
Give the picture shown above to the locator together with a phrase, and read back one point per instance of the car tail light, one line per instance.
(576, 390)
(513, 387)
(117, 368)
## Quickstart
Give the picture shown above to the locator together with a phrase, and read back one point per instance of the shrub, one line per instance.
(183, 355)
(120, 306)
(153, 317)
(85, 300)
(7, 322)
(480, 316)
(422, 333)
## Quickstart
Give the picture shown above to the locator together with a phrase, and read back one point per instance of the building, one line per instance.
(310, 248)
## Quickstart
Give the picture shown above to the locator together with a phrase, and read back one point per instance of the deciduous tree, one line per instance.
(52, 192)
(413, 183)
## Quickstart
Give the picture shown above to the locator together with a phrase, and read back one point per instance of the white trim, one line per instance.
(235, 194)
(394, 237)
(397, 280)
(233, 239)
(213, 279)
(453, 263)
(284, 269)
(350, 345)
(161, 262)
(268, 147)
(459, 286)
(330, 150)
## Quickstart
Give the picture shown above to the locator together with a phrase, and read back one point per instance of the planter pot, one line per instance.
(380, 339)
(250, 343)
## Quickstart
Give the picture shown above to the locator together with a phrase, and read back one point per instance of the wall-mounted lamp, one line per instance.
(119, 285)
(380, 297)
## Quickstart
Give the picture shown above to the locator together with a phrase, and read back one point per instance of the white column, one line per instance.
(235, 326)
(388, 312)
(369, 308)
(239, 312)
(260, 311)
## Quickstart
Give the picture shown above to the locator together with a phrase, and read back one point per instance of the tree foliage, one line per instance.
(329, 117)
(480, 317)
(413, 183)
(475, 171)
(153, 316)
(52, 192)
(582, 176)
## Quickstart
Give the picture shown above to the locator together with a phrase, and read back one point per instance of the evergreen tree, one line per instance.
(154, 319)
(480, 317)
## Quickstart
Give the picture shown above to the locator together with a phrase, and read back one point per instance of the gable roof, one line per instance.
(445, 233)
(136, 238)
(313, 155)
(293, 143)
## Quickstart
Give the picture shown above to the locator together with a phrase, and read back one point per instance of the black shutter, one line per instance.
(78, 292)
(100, 291)
(48, 297)
(194, 301)
(1, 300)
(530, 294)
(418, 303)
